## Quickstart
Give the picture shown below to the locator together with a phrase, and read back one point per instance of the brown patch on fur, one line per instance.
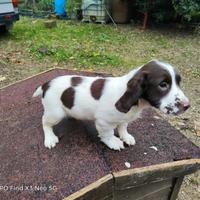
(155, 74)
(67, 97)
(145, 85)
(76, 80)
(45, 87)
(97, 88)
(131, 95)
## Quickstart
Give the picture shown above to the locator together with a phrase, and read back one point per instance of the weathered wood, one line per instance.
(176, 188)
(147, 183)
(145, 20)
(49, 70)
(144, 175)
(159, 195)
(99, 190)
(160, 190)
(19, 81)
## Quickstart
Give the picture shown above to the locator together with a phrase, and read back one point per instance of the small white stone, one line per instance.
(152, 124)
(153, 147)
(127, 164)
(145, 153)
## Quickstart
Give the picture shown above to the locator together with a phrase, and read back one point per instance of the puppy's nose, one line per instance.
(186, 105)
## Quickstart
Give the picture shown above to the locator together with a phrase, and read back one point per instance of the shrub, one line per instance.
(41, 5)
(188, 9)
(45, 5)
(164, 10)
(158, 10)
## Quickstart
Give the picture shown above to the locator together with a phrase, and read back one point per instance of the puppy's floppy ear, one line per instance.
(132, 94)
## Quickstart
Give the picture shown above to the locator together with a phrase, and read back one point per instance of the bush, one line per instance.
(72, 6)
(189, 10)
(37, 5)
(45, 5)
(164, 10)
(146, 5)
(159, 10)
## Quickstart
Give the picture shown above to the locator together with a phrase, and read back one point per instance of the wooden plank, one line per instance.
(159, 195)
(108, 198)
(154, 173)
(104, 188)
(158, 190)
(99, 190)
(19, 81)
(176, 188)
(55, 68)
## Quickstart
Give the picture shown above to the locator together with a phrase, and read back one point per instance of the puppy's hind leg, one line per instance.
(48, 121)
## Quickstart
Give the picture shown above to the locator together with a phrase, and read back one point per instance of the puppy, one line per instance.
(111, 102)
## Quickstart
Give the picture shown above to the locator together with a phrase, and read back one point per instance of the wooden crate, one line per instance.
(156, 182)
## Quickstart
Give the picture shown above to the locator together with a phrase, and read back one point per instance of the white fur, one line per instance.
(103, 111)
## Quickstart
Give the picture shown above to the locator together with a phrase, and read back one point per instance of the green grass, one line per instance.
(85, 44)
(101, 47)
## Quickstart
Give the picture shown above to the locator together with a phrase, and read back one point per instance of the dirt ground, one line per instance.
(16, 65)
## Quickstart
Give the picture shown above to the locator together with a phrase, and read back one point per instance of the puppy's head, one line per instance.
(159, 84)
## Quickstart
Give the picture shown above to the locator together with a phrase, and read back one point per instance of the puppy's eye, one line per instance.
(164, 85)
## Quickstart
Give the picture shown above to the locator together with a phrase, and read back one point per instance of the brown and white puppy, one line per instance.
(111, 102)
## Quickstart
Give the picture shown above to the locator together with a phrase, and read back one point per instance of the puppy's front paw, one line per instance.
(113, 143)
(128, 139)
(51, 141)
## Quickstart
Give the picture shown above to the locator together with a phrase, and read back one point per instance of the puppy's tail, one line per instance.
(38, 92)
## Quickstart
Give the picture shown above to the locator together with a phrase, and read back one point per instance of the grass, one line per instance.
(85, 44)
(99, 47)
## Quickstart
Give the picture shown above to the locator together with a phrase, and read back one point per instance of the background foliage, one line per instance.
(160, 11)
(174, 10)
(188, 9)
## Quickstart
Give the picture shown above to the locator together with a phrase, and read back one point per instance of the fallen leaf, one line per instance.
(197, 127)
(2, 78)
(182, 125)
(35, 21)
(156, 117)
(55, 64)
